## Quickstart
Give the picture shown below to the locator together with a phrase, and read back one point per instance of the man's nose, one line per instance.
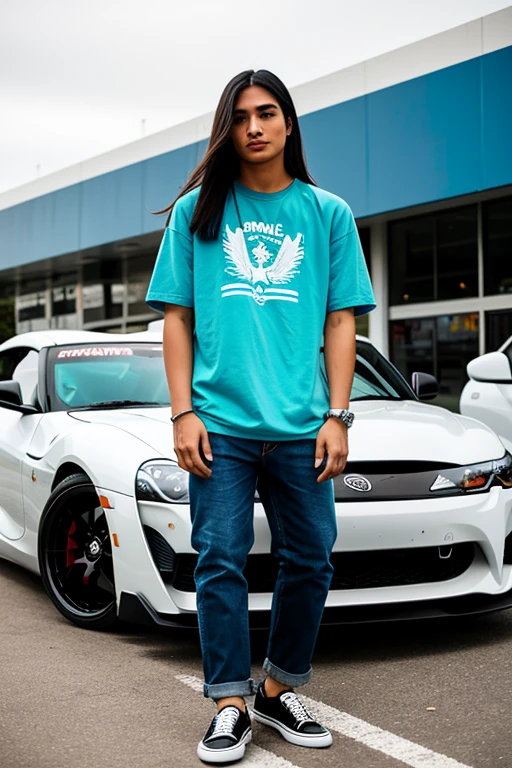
(254, 126)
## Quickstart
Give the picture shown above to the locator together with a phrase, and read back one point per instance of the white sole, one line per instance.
(230, 755)
(301, 740)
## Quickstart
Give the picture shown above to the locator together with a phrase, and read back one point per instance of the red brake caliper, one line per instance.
(71, 546)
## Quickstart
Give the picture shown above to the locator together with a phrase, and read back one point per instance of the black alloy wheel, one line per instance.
(75, 555)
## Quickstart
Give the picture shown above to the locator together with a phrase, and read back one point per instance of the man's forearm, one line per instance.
(179, 355)
(340, 355)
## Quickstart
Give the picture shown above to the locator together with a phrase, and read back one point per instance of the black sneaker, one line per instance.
(225, 739)
(288, 715)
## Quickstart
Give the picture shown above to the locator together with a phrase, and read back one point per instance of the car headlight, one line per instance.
(162, 480)
(475, 477)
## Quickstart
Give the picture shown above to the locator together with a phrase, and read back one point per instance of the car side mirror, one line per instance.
(424, 385)
(494, 367)
(10, 397)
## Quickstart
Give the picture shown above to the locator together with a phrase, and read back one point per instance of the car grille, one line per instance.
(391, 481)
(353, 570)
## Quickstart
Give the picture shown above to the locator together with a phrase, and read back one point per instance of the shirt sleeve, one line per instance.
(172, 278)
(349, 280)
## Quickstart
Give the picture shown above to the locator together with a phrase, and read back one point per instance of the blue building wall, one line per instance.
(441, 135)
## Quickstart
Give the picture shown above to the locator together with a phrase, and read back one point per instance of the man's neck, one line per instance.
(267, 177)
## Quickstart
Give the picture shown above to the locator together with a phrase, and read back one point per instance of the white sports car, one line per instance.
(488, 393)
(91, 495)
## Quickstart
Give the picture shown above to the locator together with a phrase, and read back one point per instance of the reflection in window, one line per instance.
(497, 226)
(457, 344)
(64, 306)
(365, 238)
(64, 300)
(139, 276)
(31, 307)
(103, 291)
(368, 383)
(7, 312)
(363, 325)
(457, 253)
(434, 256)
(441, 346)
(498, 329)
(411, 260)
(412, 345)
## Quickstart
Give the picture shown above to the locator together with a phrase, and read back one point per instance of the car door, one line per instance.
(16, 430)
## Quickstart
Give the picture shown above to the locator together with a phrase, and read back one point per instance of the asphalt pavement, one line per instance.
(434, 694)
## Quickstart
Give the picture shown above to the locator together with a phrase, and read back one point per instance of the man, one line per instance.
(258, 268)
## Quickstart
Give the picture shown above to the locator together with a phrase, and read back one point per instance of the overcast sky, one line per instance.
(77, 77)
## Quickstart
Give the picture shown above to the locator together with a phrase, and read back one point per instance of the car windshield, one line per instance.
(132, 374)
(375, 378)
(110, 375)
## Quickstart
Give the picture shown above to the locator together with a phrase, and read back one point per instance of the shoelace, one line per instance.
(225, 721)
(296, 707)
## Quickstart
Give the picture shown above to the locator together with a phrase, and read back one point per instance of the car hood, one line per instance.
(382, 430)
(151, 425)
(416, 431)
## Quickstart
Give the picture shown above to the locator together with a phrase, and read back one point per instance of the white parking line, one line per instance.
(390, 744)
(191, 681)
(262, 758)
(408, 752)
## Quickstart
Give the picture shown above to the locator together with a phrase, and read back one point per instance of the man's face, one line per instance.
(259, 128)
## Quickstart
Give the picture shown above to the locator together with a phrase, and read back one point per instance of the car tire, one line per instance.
(75, 555)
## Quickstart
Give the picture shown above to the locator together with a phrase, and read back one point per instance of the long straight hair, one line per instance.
(220, 165)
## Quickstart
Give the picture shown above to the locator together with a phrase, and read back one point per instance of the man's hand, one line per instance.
(191, 436)
(332, 439)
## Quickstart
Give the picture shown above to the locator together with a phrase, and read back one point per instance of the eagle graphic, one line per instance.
(281, 271)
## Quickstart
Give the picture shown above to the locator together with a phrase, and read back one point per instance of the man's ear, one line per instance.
(289, 126)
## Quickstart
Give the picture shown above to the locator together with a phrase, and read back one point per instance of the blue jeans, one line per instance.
(302, 522)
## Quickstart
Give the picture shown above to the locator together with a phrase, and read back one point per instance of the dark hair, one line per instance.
(219, 167)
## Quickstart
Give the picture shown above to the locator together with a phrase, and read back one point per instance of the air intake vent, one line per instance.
(163, 554)
(356, 570)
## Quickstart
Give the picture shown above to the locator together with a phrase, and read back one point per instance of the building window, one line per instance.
(441, 346)
(64, 301)
(139, 275)
(31, 314)
(434, 257)
(498, 328)
(362, 321)
(103, 290)
(497, 228)
(411, 260)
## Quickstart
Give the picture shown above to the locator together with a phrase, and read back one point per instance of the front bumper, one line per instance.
(481, 519)
(138, 610)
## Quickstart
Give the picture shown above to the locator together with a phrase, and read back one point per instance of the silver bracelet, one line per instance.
(181, 413)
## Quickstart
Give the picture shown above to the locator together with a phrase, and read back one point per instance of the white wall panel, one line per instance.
(497, 30)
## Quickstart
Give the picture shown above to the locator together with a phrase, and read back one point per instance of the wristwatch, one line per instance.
(347, 417)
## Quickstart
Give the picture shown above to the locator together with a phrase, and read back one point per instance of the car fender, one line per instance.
(108, 455)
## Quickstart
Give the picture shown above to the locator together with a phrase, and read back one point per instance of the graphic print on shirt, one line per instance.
(261, 258)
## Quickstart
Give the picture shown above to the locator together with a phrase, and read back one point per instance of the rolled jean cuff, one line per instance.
(222, 690)
(286, 678)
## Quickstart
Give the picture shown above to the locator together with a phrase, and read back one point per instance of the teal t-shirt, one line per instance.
(260, 294)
